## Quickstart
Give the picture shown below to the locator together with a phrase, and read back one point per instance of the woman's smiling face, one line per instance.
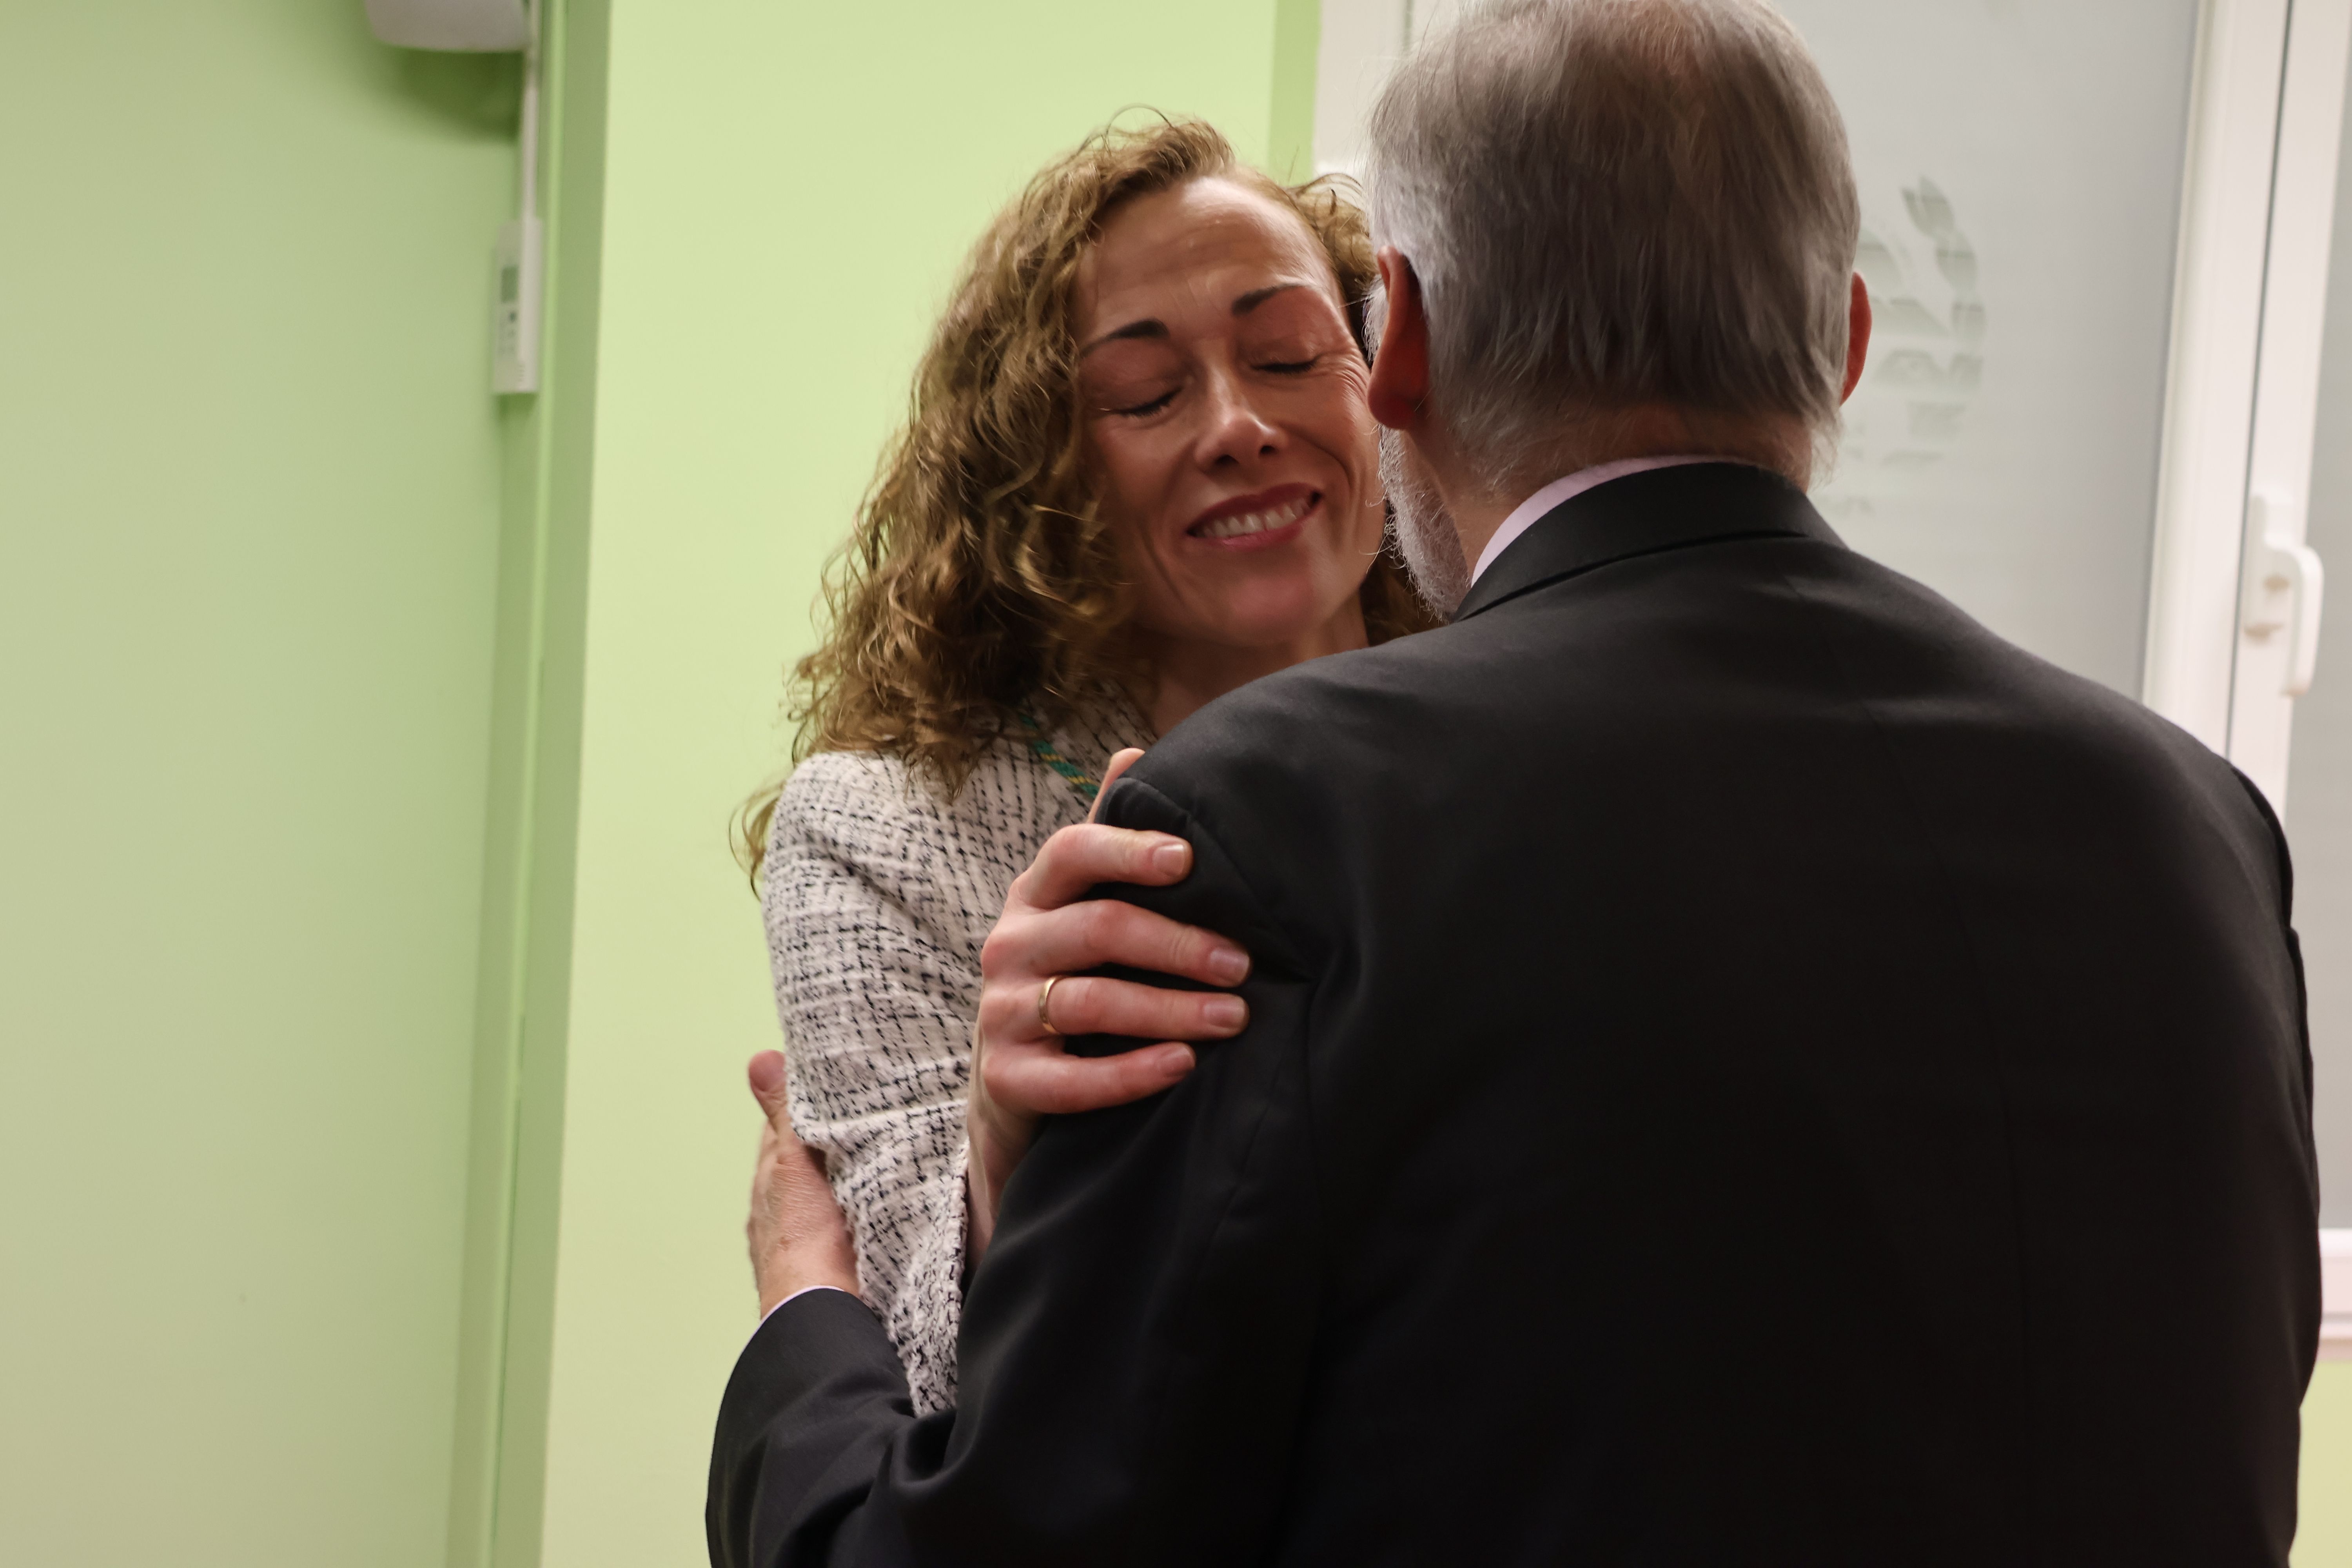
(1226, 425)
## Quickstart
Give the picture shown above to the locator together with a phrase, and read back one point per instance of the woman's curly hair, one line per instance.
(979, 585)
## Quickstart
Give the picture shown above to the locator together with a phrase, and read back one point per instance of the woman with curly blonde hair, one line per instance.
(1137, 472)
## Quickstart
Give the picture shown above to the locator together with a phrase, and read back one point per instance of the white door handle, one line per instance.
(2281, 587)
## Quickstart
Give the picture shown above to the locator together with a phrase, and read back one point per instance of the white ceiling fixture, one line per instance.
(466, 26)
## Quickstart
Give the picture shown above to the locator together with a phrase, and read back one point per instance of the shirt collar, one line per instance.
(1720, 501)
(1524, 515)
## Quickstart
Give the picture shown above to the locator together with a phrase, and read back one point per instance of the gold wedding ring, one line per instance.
(1044, 999)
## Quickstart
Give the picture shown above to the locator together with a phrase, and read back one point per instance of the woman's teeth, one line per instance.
(1255, 521)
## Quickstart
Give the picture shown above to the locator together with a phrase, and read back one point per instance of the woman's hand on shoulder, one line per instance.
(1034, 993)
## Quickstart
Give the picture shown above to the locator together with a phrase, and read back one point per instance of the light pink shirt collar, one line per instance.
(1553, 494)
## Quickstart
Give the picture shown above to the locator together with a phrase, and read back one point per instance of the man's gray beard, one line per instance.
(1425, 533)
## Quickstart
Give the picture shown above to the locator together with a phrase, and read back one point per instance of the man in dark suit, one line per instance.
(1745, 1065)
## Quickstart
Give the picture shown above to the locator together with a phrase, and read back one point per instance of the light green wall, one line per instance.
(1290, 127)
(249, 492)
(788, 190)
(2325, 1539)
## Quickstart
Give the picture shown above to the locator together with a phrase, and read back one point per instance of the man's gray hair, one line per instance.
(1609, 203)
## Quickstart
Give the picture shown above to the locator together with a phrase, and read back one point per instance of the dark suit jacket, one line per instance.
(1746, 1067)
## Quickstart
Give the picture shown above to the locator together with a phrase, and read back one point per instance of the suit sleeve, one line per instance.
(1134, 1346)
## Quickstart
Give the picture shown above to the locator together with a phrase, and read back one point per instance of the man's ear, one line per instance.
(1857, 335)
(1401, 368)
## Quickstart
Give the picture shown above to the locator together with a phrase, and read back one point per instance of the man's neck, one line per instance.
(1567, 488)
(1480, 510)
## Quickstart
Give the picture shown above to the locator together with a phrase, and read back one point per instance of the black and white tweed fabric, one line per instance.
(878, 897)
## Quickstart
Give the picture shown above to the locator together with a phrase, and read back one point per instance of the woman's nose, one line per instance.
(1234, 429)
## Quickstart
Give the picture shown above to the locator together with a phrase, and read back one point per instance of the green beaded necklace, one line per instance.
(1042, 744)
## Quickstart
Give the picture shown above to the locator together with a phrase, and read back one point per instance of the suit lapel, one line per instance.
(1642, 514)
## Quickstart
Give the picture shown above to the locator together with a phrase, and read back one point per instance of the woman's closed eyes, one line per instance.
(1142, 397)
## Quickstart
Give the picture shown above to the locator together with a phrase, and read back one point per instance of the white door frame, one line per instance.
(2273, 639)
(2250, 297)
(2217, 323)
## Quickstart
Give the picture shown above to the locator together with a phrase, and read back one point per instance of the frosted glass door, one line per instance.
(2020, 169)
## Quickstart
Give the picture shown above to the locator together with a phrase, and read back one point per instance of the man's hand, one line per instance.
(798, 1236)
(1020, 1072)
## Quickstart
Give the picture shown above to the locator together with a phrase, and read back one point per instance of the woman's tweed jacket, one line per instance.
(878, 897)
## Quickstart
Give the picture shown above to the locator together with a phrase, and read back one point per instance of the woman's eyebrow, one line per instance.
(1150, 327)
(1256, 296)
